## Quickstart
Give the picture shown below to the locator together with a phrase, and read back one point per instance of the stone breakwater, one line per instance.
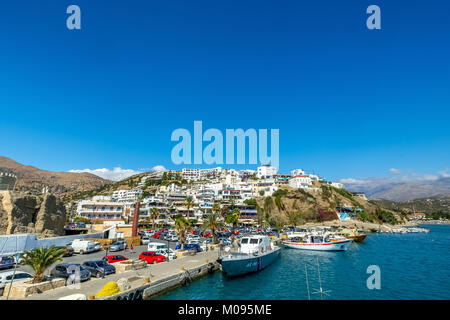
(367, 227)
(25, 213)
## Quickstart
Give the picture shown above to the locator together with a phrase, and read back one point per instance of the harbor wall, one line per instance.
(160, 286)
(17, 243)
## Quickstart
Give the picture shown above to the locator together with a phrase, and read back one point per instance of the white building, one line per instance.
(297, 172)
(200, 174)
(337, 185)
(266, 171)
(300, 181)
(124, 195)
(100, 210)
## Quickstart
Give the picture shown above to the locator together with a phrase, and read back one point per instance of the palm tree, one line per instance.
(236, 215)
(189, 203)
(212, 222)
(181, 224)
(293, 218)
(154, 213)
(40, 259)
(216, 207)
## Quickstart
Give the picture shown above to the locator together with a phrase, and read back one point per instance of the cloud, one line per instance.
(116, 174)
(444, 173)
(400, 176)
(159, 168)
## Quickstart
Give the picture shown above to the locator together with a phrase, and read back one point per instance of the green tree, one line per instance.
(39, 259)
(181, 225)
(189, 203)
(154, 213)
(212, 222)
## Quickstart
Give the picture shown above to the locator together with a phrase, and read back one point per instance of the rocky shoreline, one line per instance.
(367, 227)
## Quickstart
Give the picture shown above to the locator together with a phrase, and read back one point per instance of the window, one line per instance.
(103, 208)
(244, 241)
(253, 241)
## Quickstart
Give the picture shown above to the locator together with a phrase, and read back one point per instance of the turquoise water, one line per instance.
(413, 266)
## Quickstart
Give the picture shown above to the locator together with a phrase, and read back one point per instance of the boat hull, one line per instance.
(237, 267)
(328, 246)
(358, 238)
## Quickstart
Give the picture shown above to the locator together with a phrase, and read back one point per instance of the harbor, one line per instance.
(405, 261)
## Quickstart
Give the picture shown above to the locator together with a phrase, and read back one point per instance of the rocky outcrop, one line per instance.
(24, 213)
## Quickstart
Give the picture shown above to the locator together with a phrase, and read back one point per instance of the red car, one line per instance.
(114, 258)
(157, 235)
(207, 235)
(152, 257)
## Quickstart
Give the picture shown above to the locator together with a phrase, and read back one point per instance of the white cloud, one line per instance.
(395, 171)
(159, 168)
(444, 173)
(116, 174)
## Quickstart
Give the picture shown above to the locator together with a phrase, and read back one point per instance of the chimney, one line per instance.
(135, 219)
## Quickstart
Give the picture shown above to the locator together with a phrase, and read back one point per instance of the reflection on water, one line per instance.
(413, 266)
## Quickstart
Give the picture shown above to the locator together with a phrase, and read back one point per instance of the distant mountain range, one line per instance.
(382, 188)
(34, 179)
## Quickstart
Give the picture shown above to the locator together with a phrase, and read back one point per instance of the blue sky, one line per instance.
(349, 102)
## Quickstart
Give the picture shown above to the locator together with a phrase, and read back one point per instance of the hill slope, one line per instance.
(376, 188)
(33, 179)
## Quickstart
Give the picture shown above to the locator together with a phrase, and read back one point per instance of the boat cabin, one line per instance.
(255, 244)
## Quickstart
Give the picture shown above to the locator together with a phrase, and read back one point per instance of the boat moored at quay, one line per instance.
(316, 241)
(255, 253)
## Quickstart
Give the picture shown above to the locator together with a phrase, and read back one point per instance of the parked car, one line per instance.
(157, 235)
(225, 241)
(172, 237)
(112, 258)
(118, 246)
(6, 262)
(98, 246)
(80, 225)
(68, 250)
(168, 253)
(152, 257)
(7, 277)
(99, 268)
(64, 270)
(145, 240)
(155, 246)
(189, 246)
(82, 246)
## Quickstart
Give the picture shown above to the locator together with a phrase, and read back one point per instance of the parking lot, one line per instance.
(80, 258)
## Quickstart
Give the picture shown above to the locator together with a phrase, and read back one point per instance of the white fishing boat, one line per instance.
(326, 241)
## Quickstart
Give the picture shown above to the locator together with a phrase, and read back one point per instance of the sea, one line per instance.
(386, 266)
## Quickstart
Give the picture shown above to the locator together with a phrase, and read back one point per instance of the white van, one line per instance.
(83, 246)
(155, 246)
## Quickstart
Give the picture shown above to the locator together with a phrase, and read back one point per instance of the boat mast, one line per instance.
(307, 284)
(321, 291)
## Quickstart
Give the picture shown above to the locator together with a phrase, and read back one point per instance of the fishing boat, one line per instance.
(255, 253)
(318, 241)
(352, 233)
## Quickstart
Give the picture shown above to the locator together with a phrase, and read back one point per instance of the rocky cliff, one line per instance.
(24, 213)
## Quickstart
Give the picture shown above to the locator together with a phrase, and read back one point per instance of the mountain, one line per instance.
(30, 178)
(431, 205)
(381, 188)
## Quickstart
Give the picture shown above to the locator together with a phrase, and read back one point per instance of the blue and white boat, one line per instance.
(255, 253)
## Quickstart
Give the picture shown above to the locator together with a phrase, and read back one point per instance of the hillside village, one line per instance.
(245, 197)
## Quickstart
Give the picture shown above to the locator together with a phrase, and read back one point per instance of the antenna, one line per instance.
(321, 291)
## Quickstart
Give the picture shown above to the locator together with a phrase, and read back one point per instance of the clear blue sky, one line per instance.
(348, 101)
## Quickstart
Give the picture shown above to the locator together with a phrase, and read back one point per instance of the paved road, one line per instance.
(80, 258)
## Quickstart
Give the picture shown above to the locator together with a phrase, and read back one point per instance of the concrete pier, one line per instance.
(163, 276)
